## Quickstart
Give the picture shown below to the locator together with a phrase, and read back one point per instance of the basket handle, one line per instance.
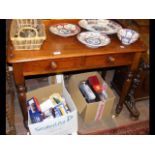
(30, 28)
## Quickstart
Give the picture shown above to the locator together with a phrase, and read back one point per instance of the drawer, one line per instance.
(49, 66)
(109, 60)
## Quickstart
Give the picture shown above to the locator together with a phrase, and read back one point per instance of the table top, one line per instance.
(69, 47)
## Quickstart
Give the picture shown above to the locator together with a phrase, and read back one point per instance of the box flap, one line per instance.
(76, 94)
(89, 112)
(43, 93)
(60, 79)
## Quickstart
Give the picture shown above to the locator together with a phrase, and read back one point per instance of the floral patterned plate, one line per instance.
(100, 25)
(93, 39)
(64, 29)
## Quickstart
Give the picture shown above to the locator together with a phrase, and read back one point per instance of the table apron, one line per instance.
(76, 63)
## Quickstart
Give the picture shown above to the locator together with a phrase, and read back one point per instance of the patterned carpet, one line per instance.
(137, 128)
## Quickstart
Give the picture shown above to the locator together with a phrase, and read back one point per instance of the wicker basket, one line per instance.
(30, 42)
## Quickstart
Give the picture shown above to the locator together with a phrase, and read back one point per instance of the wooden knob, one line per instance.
(53, 65)
(111, 59)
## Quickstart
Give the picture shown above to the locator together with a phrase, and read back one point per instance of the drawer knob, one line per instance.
(111, 59)
(53, 65)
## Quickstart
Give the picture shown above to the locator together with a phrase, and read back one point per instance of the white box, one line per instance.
(63, 125)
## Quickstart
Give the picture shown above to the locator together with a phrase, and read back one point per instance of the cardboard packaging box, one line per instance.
(90, 111)
(66, 124)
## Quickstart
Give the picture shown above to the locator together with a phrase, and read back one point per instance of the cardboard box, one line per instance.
(66, 124)
(90, 111)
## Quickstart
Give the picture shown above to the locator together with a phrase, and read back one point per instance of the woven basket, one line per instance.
(30, 42)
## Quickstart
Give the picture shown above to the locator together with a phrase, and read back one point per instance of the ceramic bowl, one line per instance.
(64, 29)
(127, 36)
(93, 39)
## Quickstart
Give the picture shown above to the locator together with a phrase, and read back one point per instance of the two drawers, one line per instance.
(76, 63)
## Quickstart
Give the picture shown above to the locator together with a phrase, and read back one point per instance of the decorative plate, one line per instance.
(93, 39)
(65, 29)
(100, 25)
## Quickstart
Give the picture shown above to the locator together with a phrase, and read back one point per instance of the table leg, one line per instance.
(21, 89)
(124, 92)
(10, 104)
(130, 100)
(124, 97)
(22, 99)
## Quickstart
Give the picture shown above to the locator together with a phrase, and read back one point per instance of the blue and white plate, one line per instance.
(64, 29)
(93, 39)
(100, 25)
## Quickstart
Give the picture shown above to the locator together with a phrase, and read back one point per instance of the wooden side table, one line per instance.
(73, 56)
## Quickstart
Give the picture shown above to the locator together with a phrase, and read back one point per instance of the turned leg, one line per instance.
(124, 92)
(130, 100)
(127, 85)
(10, 103)
(10, 117)
(20, 83)
(22, 100)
